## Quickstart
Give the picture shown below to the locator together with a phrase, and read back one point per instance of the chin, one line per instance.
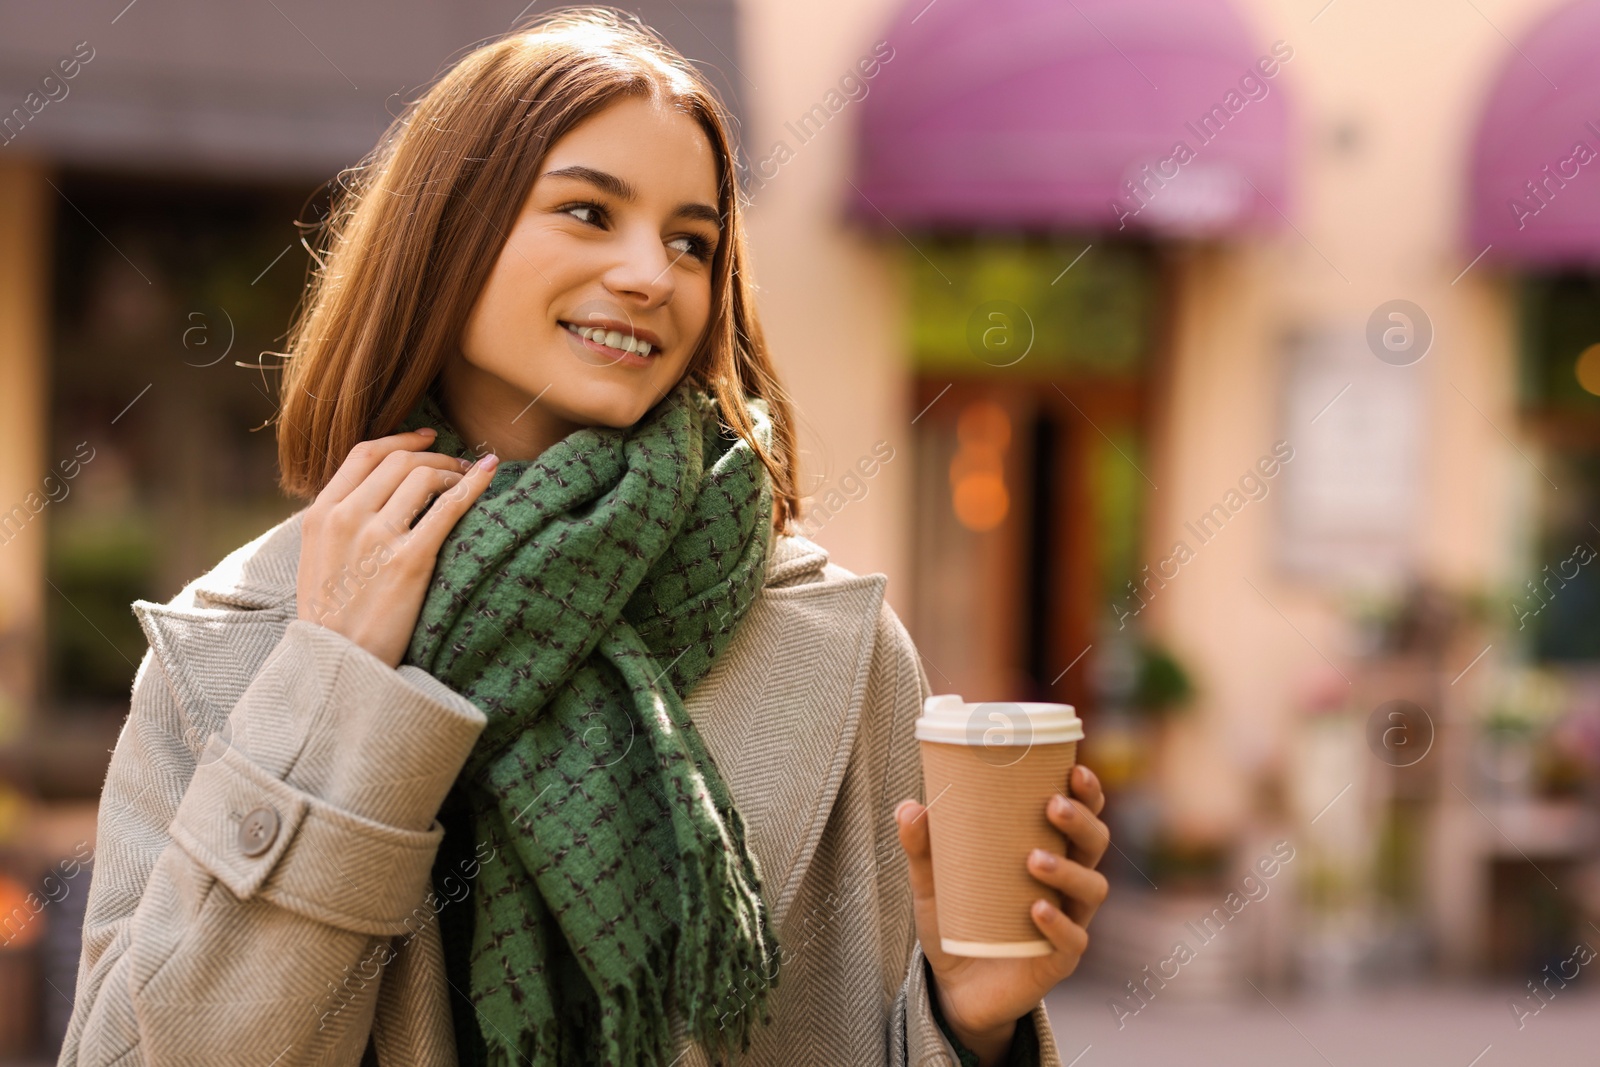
(619, 406)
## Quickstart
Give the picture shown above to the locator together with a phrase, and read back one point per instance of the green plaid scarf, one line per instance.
(576, 602)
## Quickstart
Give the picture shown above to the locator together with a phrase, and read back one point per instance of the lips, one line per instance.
(619, 337)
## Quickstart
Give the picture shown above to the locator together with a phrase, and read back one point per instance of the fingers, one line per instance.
(1085, 785)
(391, 472)
(1070, 939)
(441, 518)
(412, 496)
(1085, 888)
(1087, 836)
(365, 457)
(911, 819)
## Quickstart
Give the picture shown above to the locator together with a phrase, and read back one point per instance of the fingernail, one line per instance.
(902, 812)
(1041, 908)
(1059, 805)
(1044, 859)
(429, 430)
(466, 464)
(488, 462)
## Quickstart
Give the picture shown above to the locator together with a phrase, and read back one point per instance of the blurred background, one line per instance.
(1226, 368)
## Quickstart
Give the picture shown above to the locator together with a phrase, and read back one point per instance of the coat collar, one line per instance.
(777, 712)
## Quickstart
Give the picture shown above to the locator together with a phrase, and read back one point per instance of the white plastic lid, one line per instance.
(949, 719)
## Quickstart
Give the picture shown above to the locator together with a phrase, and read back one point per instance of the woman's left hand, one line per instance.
(982, 999)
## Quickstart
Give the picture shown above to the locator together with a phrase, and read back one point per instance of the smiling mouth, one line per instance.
(614, 339)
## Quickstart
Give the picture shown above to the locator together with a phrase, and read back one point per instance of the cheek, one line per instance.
(513, 301)
(693, 314)
(482, 339)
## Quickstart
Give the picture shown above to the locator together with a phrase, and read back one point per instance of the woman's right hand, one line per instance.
(364, 568)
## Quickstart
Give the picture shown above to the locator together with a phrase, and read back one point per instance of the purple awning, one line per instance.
(1535, 193)
(1047, 114)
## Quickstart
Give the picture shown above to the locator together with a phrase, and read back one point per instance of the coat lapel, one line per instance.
(202, 638)
(778, 710)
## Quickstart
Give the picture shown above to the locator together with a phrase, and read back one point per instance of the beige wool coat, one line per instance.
(261, 889)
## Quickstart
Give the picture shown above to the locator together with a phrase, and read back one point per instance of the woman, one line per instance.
(444, 767)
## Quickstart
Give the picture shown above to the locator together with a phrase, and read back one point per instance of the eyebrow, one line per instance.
(622, 190)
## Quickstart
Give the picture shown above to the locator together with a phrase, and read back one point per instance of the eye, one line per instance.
(696, 246)
(596, 212)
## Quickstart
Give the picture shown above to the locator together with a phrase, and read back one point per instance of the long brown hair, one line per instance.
(415, 227)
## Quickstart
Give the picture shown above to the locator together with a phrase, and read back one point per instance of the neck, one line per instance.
(492, 415)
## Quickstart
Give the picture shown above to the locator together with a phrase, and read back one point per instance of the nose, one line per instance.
(642, 273)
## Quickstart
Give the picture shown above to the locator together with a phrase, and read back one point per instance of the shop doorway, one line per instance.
(1033, 402)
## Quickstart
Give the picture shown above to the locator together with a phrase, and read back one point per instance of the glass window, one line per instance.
(161, 290)
(1558, 605)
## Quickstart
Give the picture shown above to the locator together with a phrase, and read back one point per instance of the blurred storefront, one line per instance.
(1062, 186)
(1047, 172)
(1537, 748)
(1245, 403)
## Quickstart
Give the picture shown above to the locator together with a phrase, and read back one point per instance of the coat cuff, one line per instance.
(1024, 1050)
(322, 794)
(927, 1042)
(263, 838)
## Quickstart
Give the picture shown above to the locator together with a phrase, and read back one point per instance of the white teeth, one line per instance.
(612, 339)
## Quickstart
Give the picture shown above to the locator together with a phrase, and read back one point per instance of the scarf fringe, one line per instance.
(728, 963)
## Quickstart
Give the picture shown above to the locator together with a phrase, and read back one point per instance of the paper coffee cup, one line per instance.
(988, 771)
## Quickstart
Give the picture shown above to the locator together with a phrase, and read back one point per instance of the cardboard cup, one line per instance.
(988, 771)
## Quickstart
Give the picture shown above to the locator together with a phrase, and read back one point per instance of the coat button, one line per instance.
(258, 831)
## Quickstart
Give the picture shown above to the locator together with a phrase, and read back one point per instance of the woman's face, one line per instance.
(616, 235)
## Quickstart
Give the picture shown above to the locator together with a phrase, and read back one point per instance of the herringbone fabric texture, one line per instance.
(808, 714)
(573, 602)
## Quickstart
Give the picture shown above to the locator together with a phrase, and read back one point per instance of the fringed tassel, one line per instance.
(727, 961)
(634, 1020)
